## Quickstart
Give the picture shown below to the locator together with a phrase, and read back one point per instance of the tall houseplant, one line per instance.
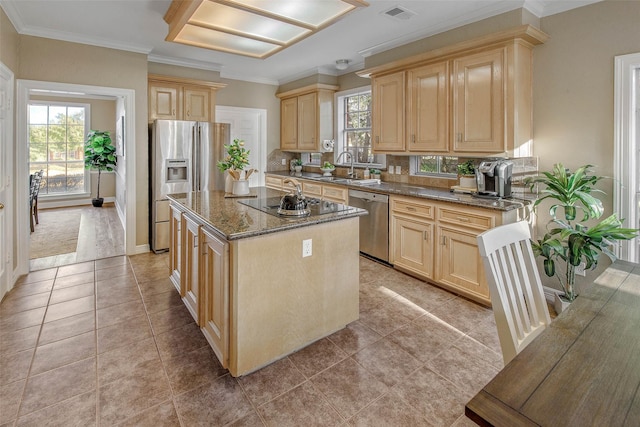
(100, 155)
(570, 242)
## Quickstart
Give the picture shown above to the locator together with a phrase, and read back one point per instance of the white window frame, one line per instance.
(414, 168)
(626, 198)
(87, 173)
(339, 130)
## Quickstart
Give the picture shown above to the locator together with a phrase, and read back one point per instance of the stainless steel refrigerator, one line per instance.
(183, 158)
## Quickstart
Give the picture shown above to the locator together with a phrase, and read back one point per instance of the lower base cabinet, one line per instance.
(175, 247)
(190, 275)
(437, 241)
(214, 284)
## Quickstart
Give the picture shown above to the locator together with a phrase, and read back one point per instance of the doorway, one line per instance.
(126, 195)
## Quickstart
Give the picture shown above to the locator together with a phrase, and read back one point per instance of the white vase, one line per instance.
(241, 187)
(298, 168)
(467, 182)
(228, 182)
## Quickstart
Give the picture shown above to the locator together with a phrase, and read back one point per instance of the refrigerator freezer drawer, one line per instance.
(161, 241)
(162, 210)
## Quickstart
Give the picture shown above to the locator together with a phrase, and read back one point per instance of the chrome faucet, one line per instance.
(350, 174)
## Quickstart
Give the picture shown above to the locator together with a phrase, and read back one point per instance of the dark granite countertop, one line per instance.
(234, 220)
(431, 193)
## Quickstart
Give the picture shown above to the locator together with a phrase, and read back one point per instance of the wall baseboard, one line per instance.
(549, 293)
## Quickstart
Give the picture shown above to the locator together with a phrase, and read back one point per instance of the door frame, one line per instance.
(8, 137)
(23, 88)
(626, 153)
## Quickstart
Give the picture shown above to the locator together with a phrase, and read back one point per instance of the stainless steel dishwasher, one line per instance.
(374, 228)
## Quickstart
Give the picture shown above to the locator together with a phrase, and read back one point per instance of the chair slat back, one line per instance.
(517, 296)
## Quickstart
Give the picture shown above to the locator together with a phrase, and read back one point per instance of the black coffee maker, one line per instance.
(493, 178)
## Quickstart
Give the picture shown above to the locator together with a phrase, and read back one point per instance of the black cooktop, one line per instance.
(317, 207)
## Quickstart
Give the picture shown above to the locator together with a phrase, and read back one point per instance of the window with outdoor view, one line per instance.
(56, 145)
(434, 165)
(354, 129)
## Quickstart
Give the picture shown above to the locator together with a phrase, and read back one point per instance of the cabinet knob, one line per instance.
(425, 235)
(1, 206)
(444, 241)
(188, 113)
(173, 112)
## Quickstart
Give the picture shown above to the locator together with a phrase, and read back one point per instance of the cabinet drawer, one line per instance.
(338, 194)
(273, 182)
(466, 218)
(312, 189)
(412, 207)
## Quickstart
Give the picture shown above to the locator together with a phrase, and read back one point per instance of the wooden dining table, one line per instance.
(583, 370)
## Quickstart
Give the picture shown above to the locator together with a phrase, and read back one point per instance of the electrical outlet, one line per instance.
(390, 169)
(580, 269)
(398, 170)
(284, 162)
(307, 248)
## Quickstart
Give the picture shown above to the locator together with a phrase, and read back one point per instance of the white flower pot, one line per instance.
(467, 182)
(228, 182)
(241, 187)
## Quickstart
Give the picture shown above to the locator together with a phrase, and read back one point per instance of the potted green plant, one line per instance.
(569, 243)
(100, 155)
(234, 163)
(375, 173)
(297, 165)
(467, 174)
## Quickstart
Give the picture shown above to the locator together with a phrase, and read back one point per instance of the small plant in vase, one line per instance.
(100, 155)
(570, 242)
(235, 161)
(297, 165)
(467, 174)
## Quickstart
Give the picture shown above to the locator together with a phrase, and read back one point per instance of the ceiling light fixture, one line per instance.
(254, 28)
(342, 64)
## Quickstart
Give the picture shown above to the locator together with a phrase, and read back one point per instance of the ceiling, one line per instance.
(138, 26)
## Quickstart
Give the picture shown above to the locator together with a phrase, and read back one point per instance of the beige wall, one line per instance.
(58, 61)
(103, 117)
(8, 42)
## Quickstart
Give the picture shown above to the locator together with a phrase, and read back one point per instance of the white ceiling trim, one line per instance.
(93, 41)
(553, 7)
(247, 78)
(191, 63)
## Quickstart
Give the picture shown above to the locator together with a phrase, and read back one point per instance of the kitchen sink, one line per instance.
(338, 180)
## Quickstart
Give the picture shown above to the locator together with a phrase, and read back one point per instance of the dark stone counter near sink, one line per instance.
(431, 193)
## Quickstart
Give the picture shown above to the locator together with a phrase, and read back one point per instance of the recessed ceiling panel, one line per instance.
(312, 12)
(255, 28)
(202, 37)
(235, 21)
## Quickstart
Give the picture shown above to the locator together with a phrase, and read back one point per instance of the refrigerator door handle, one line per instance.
(200, 157)
(194, 160)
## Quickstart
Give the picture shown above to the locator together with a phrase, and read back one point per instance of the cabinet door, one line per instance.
(196, 104)
(413, 245)
(190, 273)
(388, 112)
(478, 103)
(289, 124)
(274, 182)
(460, 263)
(335, 194)
(428, 115)
(175, 247)
(215, 293)
(164, 102)
(307, 121)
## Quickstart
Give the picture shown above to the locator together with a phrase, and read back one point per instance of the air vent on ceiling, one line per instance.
(398, 12)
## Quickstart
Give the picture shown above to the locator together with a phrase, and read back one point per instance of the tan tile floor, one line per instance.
(109, 342)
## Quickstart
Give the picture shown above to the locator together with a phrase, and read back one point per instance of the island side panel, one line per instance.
(280, 301)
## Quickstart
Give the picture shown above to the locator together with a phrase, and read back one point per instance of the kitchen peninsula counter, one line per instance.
(260, 286)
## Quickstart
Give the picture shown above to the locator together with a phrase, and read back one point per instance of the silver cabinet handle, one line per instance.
(425, 235)
(444, 241)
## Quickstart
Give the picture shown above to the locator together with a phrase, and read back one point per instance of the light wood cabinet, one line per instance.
(172, 98)
(478, 103)
(214, 283)
(412, 236)
(175, 247)
(190, 275)
(428, 108)
(306, 118)
(387, 115)
(472, 98)
(311, 189)
(459, 263)
(335, 193)
(437, 241)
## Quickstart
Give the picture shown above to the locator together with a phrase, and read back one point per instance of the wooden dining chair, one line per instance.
(519, 305)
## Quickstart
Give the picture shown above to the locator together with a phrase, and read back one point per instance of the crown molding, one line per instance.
(181, 62)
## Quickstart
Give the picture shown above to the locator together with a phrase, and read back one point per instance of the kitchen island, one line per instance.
(244, 277)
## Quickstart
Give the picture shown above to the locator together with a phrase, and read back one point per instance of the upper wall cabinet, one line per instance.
(472, 98)
(182, 99)
(306, 118)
